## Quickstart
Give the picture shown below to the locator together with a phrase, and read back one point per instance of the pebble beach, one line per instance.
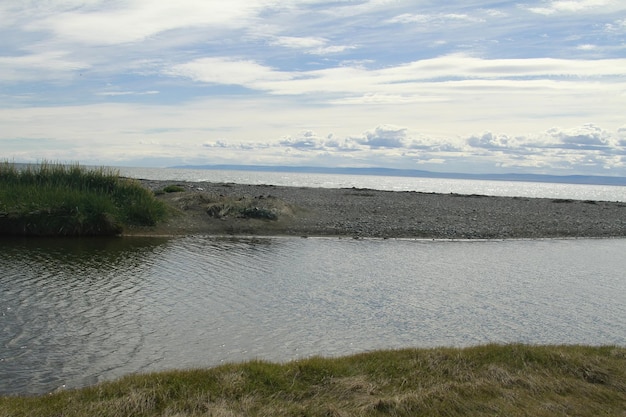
(368, 213)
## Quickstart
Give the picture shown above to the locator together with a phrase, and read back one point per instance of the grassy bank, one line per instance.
(68, 200)
(510, 380)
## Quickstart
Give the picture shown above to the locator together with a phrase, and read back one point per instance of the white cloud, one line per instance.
(385, 136)
(134, 21)
(410, 18)
(351, 9)
(571, 6)
(588, 136)
(299, 42)
(311, 45)
(331, 49)
(586, 148)
(619, 26)
(228, 71)
(621, 136)
(306, 139)
(491, 140)
(415, 78)
(496, 13)
(127, 93)
(46, 65)
(439, 18)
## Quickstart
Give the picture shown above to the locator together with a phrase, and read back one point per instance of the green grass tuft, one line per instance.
(68, 200)
(170, 189)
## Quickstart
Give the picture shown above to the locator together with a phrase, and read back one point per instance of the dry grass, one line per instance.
(510, 380)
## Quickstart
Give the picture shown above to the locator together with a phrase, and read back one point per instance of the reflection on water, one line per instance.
(75, 312)
(71, 310)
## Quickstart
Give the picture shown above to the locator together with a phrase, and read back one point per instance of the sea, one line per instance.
(77, 312)
(390, 183)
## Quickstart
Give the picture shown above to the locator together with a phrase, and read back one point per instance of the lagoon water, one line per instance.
(79, 311)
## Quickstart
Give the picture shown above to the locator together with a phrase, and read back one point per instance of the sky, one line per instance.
(458, 86)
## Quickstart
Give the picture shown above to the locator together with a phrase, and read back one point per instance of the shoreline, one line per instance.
(369, 213)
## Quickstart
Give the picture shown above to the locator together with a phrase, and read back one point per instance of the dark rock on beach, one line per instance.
(381, 214)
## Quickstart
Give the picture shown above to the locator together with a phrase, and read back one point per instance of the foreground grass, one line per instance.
(510, 380)
(66, 200)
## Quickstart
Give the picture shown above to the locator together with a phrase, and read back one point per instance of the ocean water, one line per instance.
(390, 183)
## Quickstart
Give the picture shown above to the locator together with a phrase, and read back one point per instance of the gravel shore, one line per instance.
(385, 214)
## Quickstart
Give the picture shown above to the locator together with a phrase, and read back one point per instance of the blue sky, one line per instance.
(458, 86)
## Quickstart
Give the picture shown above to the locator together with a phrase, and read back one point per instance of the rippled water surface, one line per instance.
(76, 312)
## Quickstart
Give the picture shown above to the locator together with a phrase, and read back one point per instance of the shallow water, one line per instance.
(76, 312)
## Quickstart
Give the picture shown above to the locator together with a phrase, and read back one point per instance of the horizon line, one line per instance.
(407, 172)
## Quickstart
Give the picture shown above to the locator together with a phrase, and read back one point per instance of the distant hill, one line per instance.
(568, 179)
